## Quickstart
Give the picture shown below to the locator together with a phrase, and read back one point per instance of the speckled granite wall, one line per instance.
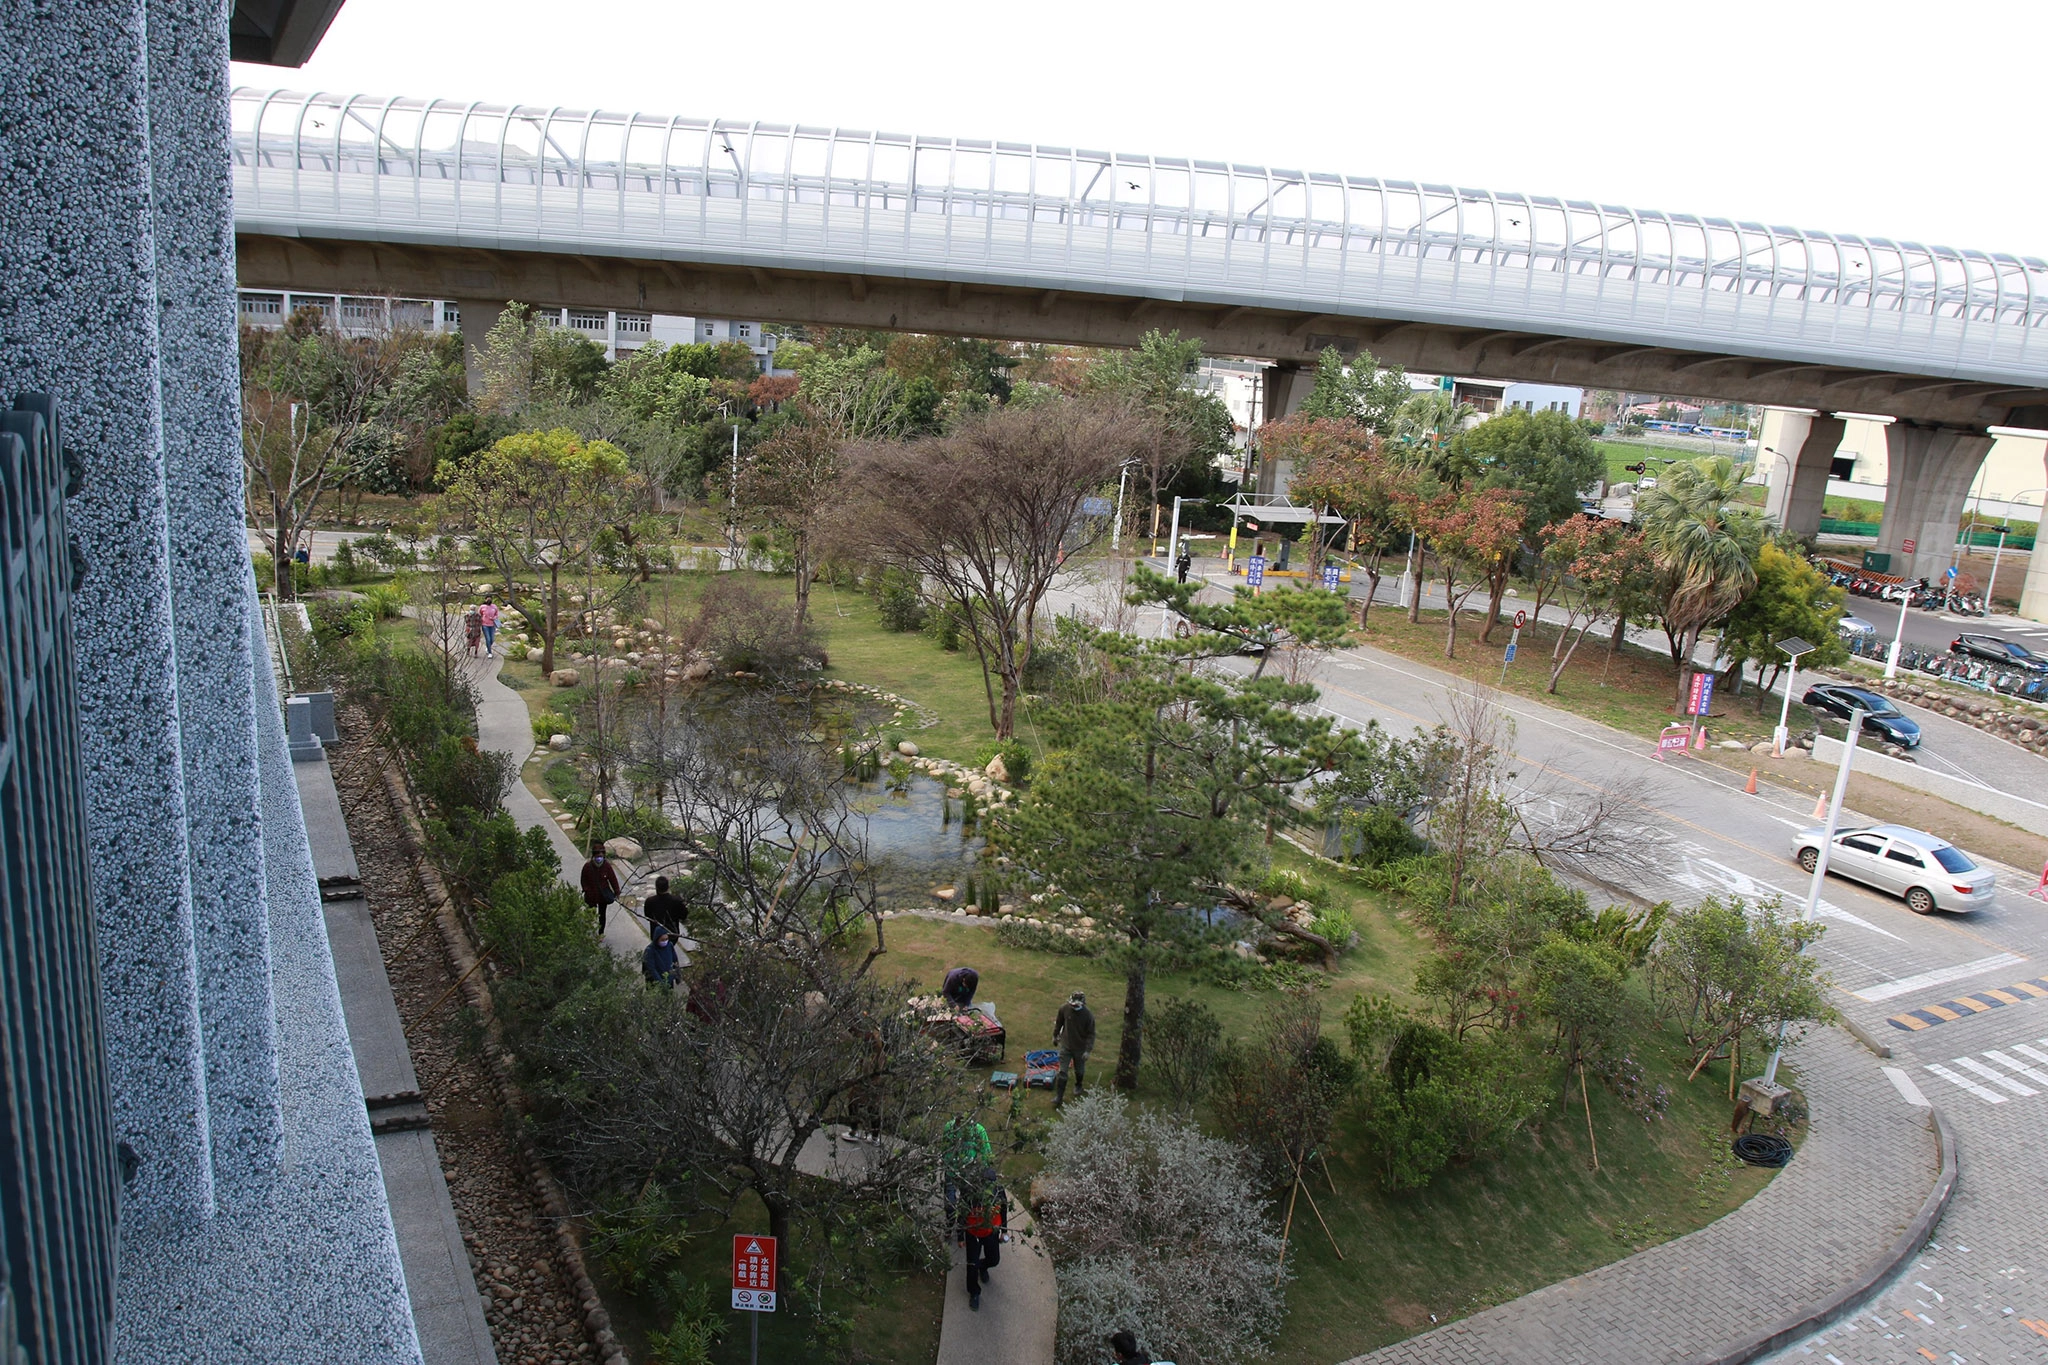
(81, 322)
(255, 1227)
(195, 271)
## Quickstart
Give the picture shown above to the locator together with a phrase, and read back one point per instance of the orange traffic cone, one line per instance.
(1820, 807)
(1750, 786)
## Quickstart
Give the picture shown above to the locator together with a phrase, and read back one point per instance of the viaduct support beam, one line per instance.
(2034, 593)
(479, 316)
(1287, 387)
(1799, 481)
(1928, 477)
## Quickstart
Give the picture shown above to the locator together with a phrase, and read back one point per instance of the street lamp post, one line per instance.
(1786, 502)
(1891, 656)
(1793, 648)
(1173, 533)
(1116, 528)
(1820, 863)
(2005, 528)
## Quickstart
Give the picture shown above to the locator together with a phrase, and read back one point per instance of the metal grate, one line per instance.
(59, 1170)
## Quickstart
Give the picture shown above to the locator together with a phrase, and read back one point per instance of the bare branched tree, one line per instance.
(987, 514)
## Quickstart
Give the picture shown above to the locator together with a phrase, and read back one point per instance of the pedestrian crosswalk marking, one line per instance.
(1996, 1078)
(2026, 1051)
(1927, 1016)
(2019, 1067)
(1988, 1096)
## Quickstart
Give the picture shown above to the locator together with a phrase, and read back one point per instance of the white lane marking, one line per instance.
(1709, 876)
(2035, 1053)
(1940, 976)
(1903, 1083)
(1994, 1077)
(2021, 1067)
(1988, 1096)
(1792, 824)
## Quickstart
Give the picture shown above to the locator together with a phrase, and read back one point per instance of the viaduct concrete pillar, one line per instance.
(1929, 472)
(1799, 481)
(479, 316)
(1286, 387)
(2034, 592)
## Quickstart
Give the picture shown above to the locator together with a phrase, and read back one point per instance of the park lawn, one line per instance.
(948, 683)
(1479, 1235)
(1635, 691)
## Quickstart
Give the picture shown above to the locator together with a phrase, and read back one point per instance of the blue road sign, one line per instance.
(1255, 570)
(1951, 571)
(1511, 652)
(1330, 577)
(1095, 507)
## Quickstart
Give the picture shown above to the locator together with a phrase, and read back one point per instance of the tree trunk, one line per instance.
(1132, 1048)
(1493, 601)
(778, 1222)
(548, 621)
(281, 562)
(1415, 599)
(803, 579)
(1450, 620)
(1372, 590)
(1620, 633)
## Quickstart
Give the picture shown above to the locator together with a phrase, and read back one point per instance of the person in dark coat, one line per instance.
(667, 910)
(1183, 562)
(1073, 1033)
(987, 1218)
(658, 961)
(600, 884)
(1126, 1347)
(960, 986)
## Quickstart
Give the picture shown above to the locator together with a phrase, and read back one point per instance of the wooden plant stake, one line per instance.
(1587, 1100)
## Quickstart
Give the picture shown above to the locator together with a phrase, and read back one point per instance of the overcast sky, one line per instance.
(1915, 121)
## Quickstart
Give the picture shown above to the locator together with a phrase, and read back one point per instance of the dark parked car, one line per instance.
(1880, 716)
(1999, 652)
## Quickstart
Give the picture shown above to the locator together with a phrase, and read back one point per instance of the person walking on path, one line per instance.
(964, 1149)
(600, 884)
(472, 630)
(658, 961)
(1073, 1033)
(487, 617)
(1183, 562)
(666, 910)
(988, 1219)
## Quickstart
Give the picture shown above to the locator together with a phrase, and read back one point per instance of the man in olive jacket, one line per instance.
(1073, 1033)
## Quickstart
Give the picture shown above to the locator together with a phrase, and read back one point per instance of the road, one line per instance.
(1981, 1290)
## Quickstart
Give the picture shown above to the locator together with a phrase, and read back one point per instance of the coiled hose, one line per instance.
(1762, 1149)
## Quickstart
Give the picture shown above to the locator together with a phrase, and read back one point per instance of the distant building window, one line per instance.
(584, 321)
(746, 330)
(262, 309)
(451, 316)
(635, 322)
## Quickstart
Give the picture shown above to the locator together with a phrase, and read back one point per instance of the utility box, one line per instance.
(1877, 562)
(1764, 1096)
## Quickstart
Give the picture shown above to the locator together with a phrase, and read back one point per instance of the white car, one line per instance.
(1930, 872)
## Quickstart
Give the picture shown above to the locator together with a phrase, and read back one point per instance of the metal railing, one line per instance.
(59, 1169)
(550, 179)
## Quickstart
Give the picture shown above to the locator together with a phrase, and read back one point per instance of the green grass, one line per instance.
(947, 683)
(1479, 1235)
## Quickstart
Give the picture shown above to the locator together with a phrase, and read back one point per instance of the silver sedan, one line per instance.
(1930, 872)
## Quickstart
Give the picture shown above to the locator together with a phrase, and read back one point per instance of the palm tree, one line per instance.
(1706, 543)
(1426, 426)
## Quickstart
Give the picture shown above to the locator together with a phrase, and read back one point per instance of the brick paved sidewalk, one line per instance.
(1862, 1174)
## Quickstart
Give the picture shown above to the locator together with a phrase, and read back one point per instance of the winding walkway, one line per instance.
(1020, 1307)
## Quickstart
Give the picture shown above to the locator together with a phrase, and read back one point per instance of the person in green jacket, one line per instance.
(964, 1149)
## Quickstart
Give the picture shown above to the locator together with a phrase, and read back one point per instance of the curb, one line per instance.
(1862, 1035)
(1853, 1295)
(462, 956)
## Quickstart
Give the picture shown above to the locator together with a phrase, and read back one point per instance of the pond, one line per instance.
(914, 847)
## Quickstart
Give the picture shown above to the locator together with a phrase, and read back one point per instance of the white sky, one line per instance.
(1911, 120)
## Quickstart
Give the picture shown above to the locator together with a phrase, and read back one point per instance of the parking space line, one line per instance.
(1995, 1078)
(1982, 1093)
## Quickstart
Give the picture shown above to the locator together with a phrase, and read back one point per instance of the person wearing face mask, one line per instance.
(659, 962)
(600, 884)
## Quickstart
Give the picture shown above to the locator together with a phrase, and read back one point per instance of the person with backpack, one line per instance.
(987, 1219)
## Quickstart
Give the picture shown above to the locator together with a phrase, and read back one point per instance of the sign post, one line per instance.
(1521, 619)
(753, 1282)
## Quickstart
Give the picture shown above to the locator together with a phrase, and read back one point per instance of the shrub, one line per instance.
(386, 601)
(902, 609)
(1336, 924)
(747, 630)
(1379, 836)
(550, 723)
(1015, 933)
(1158, 1229)
(1432, 1099)
(1016, 756)
(1183, 1039)
(1278, 1093)
(340, 618)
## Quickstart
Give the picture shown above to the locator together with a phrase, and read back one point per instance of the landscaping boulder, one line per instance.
(565, 677)
(622, 848)
(996, 770)
(906, 748)
(559, 743)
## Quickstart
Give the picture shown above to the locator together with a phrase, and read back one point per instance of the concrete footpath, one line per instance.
(447, 1310)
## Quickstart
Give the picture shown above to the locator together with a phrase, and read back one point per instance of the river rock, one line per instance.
(558, 743)
(565, 677)
(906, 748)
(622, 848)
(945, 893)
(996, 770)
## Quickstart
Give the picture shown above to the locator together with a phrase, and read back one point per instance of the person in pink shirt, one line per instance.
(488, 613)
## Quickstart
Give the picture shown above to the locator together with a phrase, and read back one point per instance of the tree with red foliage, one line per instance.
(1474, 533)
(1591, 564)
(1341, 466)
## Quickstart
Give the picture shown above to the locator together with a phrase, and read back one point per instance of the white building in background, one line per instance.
(620, 333)
(2011, 484)
(1241, 386)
